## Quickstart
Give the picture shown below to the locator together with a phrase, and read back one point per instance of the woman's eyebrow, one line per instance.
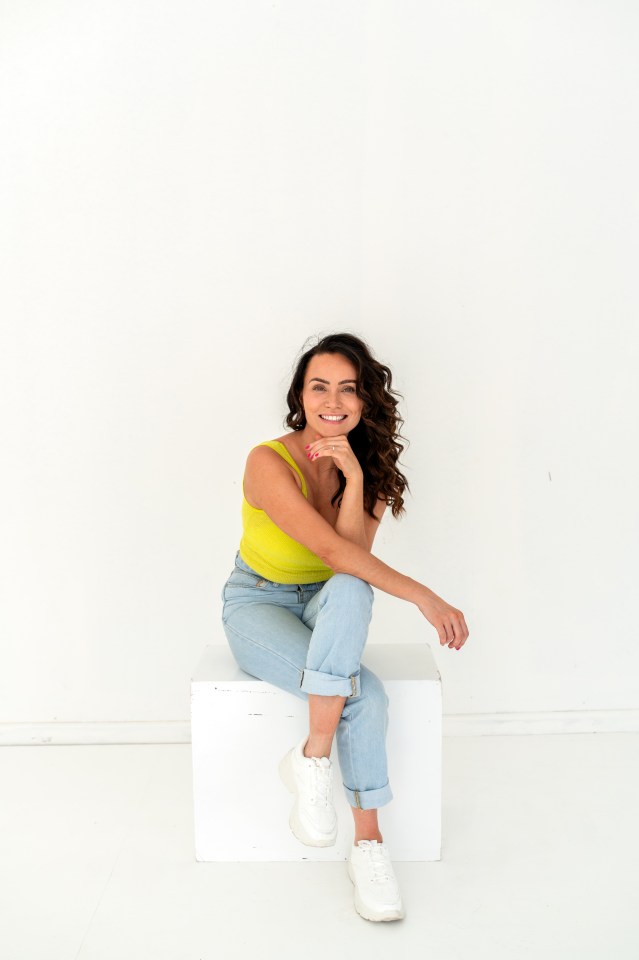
(319, 379)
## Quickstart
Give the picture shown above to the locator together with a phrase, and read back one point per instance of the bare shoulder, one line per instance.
(265, 467)
(262, 454)
(264, 457)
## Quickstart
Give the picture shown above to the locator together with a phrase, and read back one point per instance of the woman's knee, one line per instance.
(348, 589)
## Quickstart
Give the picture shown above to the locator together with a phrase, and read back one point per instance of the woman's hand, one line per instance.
(448, 621)
(340, 450)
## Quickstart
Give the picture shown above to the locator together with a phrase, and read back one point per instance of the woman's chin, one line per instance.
(332, 427)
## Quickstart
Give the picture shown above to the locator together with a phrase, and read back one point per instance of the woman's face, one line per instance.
(329, 397)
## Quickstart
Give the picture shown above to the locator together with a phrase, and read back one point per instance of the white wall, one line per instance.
(191, 189)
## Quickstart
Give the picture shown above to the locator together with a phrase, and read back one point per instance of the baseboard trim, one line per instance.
(85, 734)
(548, 722)
(455, 725)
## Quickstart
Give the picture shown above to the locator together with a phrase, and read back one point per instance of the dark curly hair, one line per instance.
(375, 439)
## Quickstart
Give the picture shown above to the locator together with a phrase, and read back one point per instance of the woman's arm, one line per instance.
(350, 517)
(271, 486)
(354, 523)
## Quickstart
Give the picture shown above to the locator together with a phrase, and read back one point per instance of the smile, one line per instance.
(331, 419)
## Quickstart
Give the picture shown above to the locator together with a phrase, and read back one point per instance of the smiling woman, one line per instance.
(298, 603)
(375, 437)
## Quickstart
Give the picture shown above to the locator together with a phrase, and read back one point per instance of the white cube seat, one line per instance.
(242, 808)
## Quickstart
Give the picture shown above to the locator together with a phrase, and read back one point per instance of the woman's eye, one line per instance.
(320, 388)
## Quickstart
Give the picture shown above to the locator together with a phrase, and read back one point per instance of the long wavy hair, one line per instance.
(375, 440)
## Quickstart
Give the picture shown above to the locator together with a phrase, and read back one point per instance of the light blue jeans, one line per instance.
(308, 638)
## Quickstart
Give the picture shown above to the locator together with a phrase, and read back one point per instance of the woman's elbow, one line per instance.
(330, 558)
(338, 556)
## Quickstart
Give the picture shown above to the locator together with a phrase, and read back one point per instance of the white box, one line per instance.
(242, 809)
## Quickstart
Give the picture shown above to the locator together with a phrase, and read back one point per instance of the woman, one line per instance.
(298, 603)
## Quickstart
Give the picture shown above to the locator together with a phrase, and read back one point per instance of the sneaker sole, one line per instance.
(368, 913)
(288, 779)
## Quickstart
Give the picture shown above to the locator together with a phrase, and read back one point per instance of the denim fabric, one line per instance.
(309, 638)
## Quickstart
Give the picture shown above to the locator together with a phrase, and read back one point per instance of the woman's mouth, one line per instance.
(332, 419)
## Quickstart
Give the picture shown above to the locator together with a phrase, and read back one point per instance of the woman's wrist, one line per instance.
(418, 593)
(355, 479)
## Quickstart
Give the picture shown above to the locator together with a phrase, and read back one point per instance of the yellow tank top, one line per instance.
(271, 552)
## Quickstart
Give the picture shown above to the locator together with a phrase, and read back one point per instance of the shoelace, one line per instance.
(321, 783)
(377, 861)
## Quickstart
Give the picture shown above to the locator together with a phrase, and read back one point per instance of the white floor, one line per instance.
(540, 860)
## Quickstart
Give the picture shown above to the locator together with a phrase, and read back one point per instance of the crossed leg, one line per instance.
(272, 643)
(324, 714)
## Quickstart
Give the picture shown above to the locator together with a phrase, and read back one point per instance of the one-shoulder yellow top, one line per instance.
(271, 552)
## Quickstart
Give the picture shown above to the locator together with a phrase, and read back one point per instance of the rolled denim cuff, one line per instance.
(328, 685)
(369, 799)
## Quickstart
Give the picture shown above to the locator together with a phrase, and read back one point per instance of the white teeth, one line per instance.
(325, 416)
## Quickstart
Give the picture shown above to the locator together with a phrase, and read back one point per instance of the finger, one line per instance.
(314, 445)
(326, 449)
(340, 440)
(455, 633)
(310, 449)
(461, 632)
(315, 449)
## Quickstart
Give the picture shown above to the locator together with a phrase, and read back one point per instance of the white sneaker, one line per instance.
(313, 819)
(377, 895)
